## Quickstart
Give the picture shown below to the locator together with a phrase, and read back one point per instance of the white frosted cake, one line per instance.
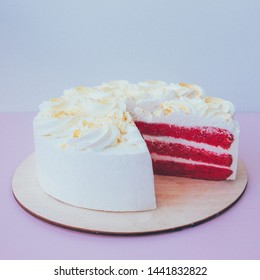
(90, 154)
(98, 147)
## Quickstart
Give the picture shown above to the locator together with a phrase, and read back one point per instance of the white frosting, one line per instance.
(109, 180)
(87, 119)
(180, 104)
(183, 160)
(101, 117)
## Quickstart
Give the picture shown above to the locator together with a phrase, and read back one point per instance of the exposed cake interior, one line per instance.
(187, 133)
(195, 152)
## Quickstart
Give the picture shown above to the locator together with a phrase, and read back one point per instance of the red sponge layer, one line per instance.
(210, 135)
(172, 168)
(188, 152)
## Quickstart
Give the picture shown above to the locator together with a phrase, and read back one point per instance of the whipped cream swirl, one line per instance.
(156, 99)
(85, 118)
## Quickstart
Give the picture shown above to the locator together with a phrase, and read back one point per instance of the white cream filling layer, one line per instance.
(182, 160)
(168, 140)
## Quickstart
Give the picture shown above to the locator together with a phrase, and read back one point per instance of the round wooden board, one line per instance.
(181, 202)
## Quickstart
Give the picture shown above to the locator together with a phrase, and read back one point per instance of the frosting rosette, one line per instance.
(85, 118)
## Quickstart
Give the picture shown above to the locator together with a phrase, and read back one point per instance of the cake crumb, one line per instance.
(63, 146)
(76, 133)
(84, 123)
(55, 99)
(81, 89)
(167, 111)
(182, 84)
(59, 114)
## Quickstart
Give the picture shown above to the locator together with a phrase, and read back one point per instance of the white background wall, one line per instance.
(49, 45)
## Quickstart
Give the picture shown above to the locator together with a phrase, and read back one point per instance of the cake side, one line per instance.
(106, 180)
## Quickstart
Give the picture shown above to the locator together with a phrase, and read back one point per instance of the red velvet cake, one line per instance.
(187, 133)
(195, 152)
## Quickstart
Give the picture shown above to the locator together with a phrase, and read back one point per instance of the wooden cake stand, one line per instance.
(181, 203)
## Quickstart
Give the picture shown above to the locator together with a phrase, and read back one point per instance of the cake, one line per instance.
(98, 147)
(90, 154)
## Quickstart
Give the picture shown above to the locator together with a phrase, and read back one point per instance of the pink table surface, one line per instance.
(232, 235)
